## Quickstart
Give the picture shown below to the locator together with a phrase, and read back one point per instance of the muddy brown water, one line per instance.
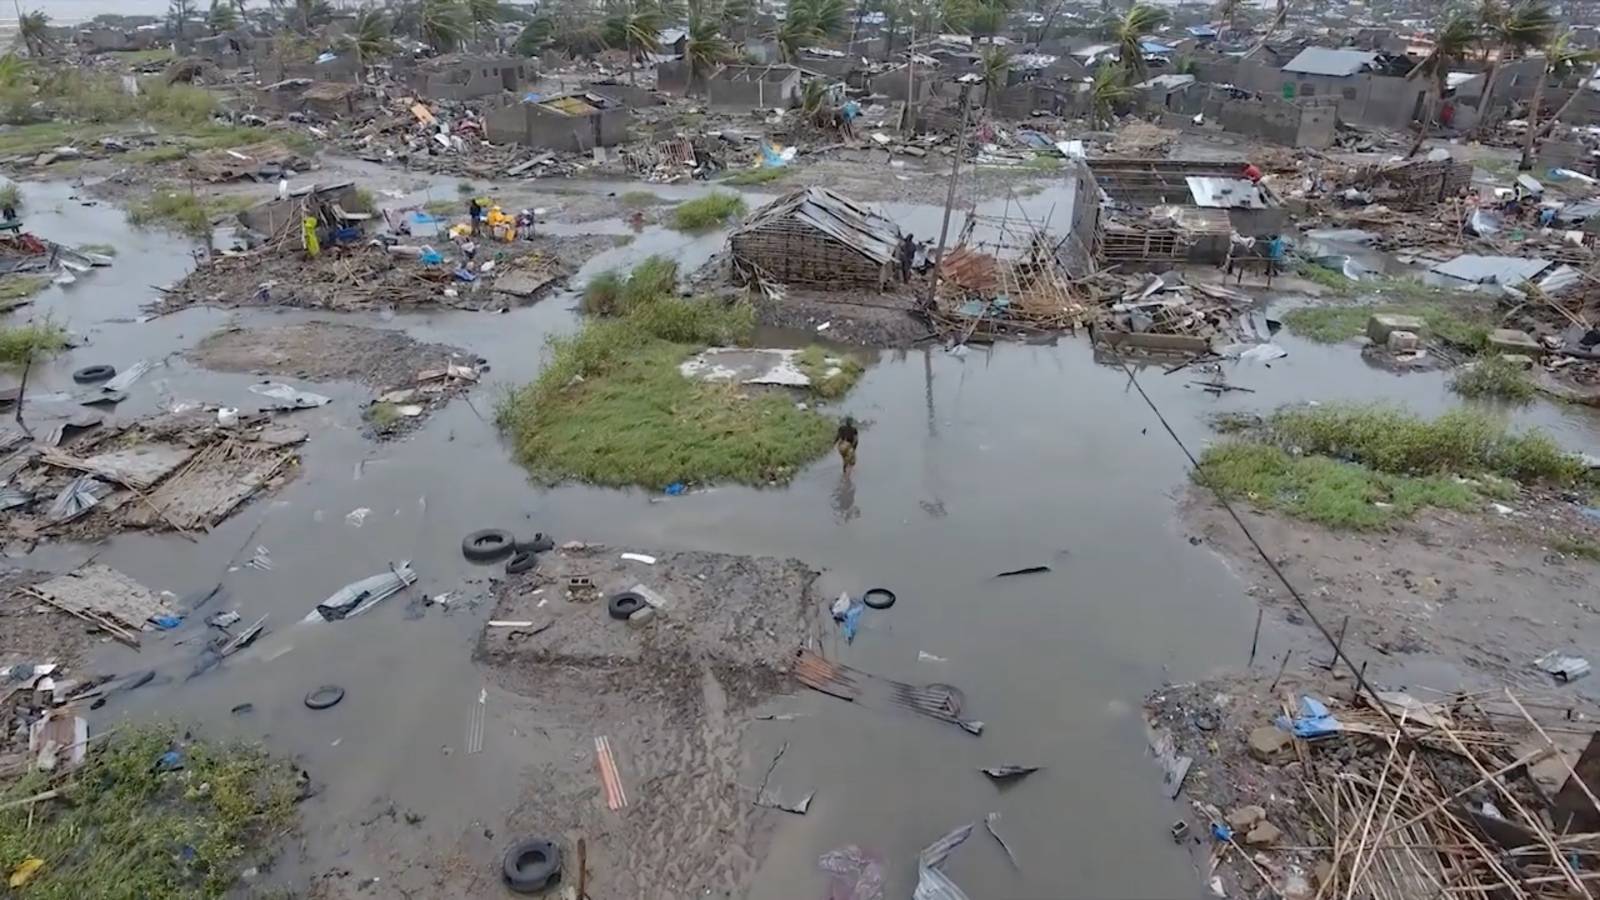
(1018, 456)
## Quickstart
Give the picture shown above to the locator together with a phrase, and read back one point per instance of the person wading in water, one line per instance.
(845, 440)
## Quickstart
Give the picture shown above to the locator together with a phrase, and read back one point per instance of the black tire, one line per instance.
(878, 598)
(487, 545)
(92, 374)
(531, 866)
(624, 605)
(539, 543)
(325, 696)
(523, 561)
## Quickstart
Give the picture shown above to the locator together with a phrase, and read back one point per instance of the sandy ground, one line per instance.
(1481, 592)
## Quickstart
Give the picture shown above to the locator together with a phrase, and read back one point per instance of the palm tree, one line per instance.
(1526, 25)
(483, 12)
(370, 37)
(1458, 33)
(996, 66)
(442, 24)
(986, 19)
(13, 70)
(1560, 59)
(222, 17)
(33, 32)
(706, 47)
(535, 36)
(1109, 89)
(794, 32)
(1131, 30)
(178, 13)
(737, 12)
(634, 27)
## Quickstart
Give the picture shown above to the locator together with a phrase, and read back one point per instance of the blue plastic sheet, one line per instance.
(1314, 720)
(851, 620)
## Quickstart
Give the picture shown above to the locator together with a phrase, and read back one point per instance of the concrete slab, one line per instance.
(1510, 340)
(1380, 325)
(742, 365)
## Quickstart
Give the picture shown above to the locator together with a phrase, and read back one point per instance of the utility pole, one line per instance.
(907, 119)
(950, 197)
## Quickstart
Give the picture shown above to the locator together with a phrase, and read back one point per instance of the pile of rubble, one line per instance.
(1379, 796)
(186, 471)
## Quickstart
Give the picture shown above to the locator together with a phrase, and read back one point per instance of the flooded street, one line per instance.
(1017, 456)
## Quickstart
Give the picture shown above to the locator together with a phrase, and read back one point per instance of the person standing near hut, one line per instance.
(907, 253)
(845, 441)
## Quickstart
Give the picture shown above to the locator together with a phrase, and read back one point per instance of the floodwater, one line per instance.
(1017, 456)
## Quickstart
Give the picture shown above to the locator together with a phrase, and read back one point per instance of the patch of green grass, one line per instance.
(640, 199)
(1044, 164)
(1325, 277)
(1393, 441)
(708, 211)
(1581, 548)
(1494, 377)
(363, 201)
(159, 54)
(383, 415)
(612, 408)
(637, 421)
(34, 341)
(466, 188)
(1459, 322)
(24, 140)
(1323, 490)
(832, 374)
(189, 213)
(11, 195)
(441, 208)
(16, 288)
(162, 154)
(761, 175)
(102, 249)
(121, 828)
(611, 294)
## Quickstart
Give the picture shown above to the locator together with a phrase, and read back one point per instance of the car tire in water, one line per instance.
(487, 545)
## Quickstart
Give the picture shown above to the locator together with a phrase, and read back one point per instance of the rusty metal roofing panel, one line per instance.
(836, 216)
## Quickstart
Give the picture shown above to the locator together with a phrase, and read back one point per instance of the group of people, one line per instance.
(480, 215)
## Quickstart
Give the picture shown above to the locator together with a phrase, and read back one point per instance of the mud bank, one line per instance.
(671, 692)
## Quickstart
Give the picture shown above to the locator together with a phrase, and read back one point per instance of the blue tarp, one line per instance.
(1154, 48)
(1314, 720)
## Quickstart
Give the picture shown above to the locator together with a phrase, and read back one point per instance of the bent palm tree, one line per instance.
(1131, 30)
(1458, 33)
(634, 28)
(1526, 25)
(442, 24)
(483, 12)
(1560, 58)
(13, 70)
(706, 48)
(370, 37)
(1109, 89)
(33, 32)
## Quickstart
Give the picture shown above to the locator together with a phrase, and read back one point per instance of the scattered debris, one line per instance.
(610, 779)
(105, 597)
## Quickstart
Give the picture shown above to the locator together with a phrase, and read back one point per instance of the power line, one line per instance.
(1338, 648)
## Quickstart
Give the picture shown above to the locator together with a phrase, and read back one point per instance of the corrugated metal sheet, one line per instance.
(1325, 61)
(1491, 269)
(855, 226)
(932, 884)
(1212, 192)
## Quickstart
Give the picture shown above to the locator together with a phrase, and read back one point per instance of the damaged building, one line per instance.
(817, 238)
(1163, 211)
(753, 87)
(459, 77)
(574, 123)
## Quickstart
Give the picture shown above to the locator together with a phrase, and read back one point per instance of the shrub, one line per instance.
(708, 211)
